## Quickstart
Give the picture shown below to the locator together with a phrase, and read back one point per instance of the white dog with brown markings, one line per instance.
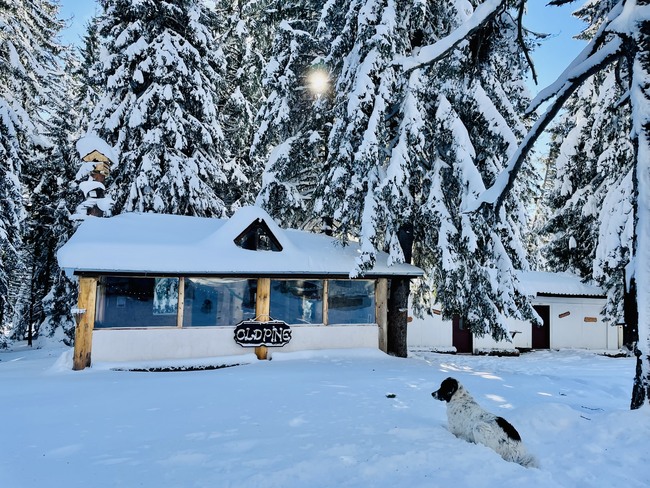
(469, 421)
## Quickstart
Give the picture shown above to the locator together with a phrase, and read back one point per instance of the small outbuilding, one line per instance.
(159, 287)
(571, 312)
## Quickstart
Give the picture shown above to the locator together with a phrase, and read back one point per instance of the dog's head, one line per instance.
(446, 390)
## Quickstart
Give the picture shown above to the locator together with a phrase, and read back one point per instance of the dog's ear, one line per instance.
(447, 389)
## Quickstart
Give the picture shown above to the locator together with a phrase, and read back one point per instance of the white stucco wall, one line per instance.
(486, 342)
(201, 342)
(434, 332)
(570, 331)
(573, 331)
(430, 331)
(523, 335)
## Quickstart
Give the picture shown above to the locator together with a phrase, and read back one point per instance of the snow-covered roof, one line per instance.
(567, 284)
(92, 142)
(170, 244)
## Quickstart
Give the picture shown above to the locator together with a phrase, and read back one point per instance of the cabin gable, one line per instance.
(258, 237)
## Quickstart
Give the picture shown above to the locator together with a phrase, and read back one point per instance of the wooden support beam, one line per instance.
(181, 302)
(83, 337)
(263, 310)
(326, 309)
(381, 312)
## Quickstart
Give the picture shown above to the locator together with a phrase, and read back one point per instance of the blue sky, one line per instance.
(559, 49)
(550, 59)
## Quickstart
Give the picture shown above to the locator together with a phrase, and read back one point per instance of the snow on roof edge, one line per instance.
(560, 283)
(157, 244)
(91, 142)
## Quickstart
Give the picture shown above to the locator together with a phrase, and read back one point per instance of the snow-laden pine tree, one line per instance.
(244, 39)
(633, 26)
(407, 149)
(476, 97)
(65, 126)
(30, 85)
(590, 227)
(161, 73)
(85, 76)
(619, 36)
(292, 123)
(58, 188)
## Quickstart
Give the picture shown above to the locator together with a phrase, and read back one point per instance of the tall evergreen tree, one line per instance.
(476, 100)
(161, 73)
(619, 36)
(86, 79)
(590, 227)
(30, 83)
(292, 123)
(634, 28)
(408, 148)
(242, 35)
(59, 190)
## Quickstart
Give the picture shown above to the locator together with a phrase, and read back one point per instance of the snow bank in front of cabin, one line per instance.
(317, 419)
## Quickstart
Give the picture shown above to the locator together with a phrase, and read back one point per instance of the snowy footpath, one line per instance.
(321, 419)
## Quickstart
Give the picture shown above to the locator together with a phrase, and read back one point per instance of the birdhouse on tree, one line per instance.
(97, 160)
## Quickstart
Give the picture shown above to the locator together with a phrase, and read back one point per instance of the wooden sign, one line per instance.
(591, 319)
(253, 333)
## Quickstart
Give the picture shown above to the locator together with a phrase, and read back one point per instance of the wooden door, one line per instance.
(461, 336)
(542, 335)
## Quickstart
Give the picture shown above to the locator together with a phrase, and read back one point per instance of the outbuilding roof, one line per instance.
(542, 283)
(147, 243)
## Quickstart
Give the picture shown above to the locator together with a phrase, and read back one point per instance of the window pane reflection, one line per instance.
(297, 301)
(218, 301)
(351, 302)
(136, 302)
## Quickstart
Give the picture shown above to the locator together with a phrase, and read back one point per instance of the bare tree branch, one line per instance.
(521, 41)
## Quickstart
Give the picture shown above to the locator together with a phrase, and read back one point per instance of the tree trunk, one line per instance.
(640, 98)
(398, 300)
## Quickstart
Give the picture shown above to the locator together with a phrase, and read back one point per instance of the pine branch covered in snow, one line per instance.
(591, 221)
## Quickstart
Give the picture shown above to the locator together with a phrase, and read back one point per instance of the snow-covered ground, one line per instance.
(321, 419)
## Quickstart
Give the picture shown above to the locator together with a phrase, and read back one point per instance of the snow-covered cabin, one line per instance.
(571, 312)
(159, 287)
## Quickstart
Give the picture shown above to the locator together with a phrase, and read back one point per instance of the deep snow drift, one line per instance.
(319, 419)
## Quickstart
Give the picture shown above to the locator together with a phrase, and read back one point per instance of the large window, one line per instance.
(218, 301)
(297, 301)
(351, 302)
(153, 302)
(136, 302)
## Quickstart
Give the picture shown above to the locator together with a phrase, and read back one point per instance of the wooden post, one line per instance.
(181, 302)
(263, 310)
(326, 294)
(83, 337)
(381, 312)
